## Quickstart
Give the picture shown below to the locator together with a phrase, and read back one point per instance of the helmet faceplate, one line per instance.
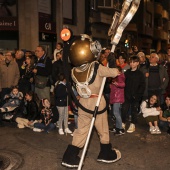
(80, 52)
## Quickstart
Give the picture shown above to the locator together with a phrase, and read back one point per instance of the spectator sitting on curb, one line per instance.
(31, 115)
(48, 117)
(151, 110)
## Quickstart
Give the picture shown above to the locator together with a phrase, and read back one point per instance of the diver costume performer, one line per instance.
(88, 75)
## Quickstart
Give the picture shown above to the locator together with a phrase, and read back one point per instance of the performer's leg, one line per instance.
(106, 154)
(80, 134)
(102, 127)
(71, 158)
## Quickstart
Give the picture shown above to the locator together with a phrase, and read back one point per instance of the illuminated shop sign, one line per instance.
(47, 26)
(8, 23)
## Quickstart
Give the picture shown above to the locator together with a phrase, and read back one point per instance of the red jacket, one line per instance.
(117, 91)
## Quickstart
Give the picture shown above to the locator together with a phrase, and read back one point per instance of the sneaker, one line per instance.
(119, 132)
(57, 125)
(67, 130)
(113, 118)
(123, 126)
(152, 130)
(131, 128)
(37, 130)
(112, 130)
(61, 132)
(8, 117)
(157, 130)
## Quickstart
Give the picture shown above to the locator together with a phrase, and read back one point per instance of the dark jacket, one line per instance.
(44, 67)
(32, 110)
(164, 78)
(61, 95)
(20, 63)
(56, 70)
(24, 82)
(28, 111)
(134, 85)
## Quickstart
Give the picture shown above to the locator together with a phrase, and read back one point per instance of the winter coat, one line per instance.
(32, 110)
(117, 91)
(61, 94)
(164, 78)
(134, 85)
(57, 69)
(44, 68)
(24, 82)
(9, 76)
(15, 99)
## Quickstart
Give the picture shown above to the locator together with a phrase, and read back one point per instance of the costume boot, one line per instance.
(71, 158)
(107, 155)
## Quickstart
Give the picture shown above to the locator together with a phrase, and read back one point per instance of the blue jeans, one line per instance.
(117, 113)
(47, 128)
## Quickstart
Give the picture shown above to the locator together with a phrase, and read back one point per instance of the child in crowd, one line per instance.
(164, 117)
(61, 98)
(134, 89)
(117, 98)
(13, 100)
(151, 110)
(48, 117)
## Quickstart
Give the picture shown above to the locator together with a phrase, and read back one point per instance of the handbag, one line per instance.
(41, 81)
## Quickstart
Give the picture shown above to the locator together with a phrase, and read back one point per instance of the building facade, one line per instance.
(148, 30)
(25, 24)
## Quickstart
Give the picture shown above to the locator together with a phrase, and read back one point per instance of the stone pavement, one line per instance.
(23, 149)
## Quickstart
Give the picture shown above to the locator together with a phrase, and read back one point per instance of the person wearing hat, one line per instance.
(158, 79)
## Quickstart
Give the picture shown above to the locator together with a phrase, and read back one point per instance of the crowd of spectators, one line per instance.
(145, 77)
(142, 82)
